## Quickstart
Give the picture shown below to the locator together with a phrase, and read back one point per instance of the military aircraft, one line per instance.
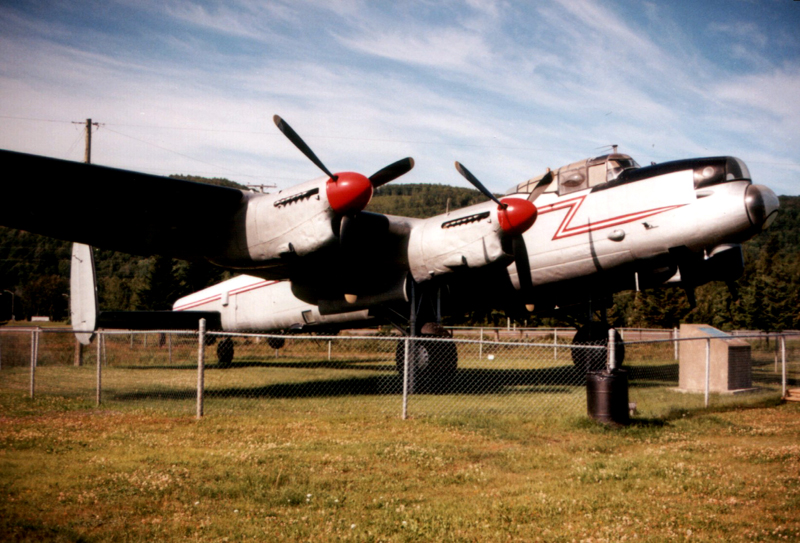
(313, 259)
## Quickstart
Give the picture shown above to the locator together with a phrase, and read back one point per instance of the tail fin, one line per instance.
(83, 293)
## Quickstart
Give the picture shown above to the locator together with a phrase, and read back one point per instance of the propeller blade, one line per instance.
(477, 184)
(298, 142)
(541, 186)
(391, 172)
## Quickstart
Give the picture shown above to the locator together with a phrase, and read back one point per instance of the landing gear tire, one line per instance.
(596, 334)
(434, 363)
(225, 353)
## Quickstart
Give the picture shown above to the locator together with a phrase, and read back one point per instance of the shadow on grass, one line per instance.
(366, 364)
(470, 381)
(655, 375)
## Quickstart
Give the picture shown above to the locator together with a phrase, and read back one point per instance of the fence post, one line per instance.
(405, 378)
(36, 344)
(555, 343)
(329, 350)
(777, 344)
(99, 364)
(675, 340)
(33, 363)
(480, 346)
(612, 348)
(201, 365)
(169, 346)
(783, 366)
(708, 368)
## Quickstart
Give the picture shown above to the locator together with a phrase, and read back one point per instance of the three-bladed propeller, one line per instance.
(348, 192)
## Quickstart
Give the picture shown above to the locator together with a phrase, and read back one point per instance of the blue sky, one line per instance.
(508, 88)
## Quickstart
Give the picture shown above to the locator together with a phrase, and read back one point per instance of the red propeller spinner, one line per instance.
(516, 215)
(348, 192)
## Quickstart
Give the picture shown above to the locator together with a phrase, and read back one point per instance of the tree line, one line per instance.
(36, 270)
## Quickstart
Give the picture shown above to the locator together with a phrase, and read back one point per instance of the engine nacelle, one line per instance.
(467, 238)
(294, 222)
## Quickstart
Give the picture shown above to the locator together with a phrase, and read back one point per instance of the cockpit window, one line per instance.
(736, 169)
(618, 165)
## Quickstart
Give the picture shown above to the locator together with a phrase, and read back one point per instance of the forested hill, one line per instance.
(36, 269)
(421, 200)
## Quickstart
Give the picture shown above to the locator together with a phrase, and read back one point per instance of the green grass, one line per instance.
(293, 470)
(300, 448)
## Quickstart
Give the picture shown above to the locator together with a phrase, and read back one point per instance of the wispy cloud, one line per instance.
(507, 87)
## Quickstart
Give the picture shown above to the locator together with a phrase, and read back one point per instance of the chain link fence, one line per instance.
(526, 373)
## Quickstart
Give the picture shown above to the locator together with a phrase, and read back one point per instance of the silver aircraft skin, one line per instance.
(601, 216)
(313, 258)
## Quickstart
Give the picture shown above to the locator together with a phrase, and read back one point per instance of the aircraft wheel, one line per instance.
(434, 363)
(225, 353)
(595, 333)
(276, 342)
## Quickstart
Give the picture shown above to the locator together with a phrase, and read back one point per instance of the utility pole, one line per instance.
(87, 155)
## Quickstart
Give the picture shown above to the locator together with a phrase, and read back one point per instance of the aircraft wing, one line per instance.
(116, 209)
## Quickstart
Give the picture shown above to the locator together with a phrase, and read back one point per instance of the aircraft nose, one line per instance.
(762, 206)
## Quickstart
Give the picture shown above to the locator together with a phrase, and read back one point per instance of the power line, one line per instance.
(169, 150)
(312, 136)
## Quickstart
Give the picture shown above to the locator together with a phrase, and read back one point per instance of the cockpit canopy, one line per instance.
(584, 174)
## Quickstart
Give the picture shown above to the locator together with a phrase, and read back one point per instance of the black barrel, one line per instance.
(607, 396)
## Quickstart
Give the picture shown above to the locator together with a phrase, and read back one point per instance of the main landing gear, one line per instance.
(432, 355)
(225, 352)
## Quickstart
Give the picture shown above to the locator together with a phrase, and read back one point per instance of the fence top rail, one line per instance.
(793, 334)
(143, 332)
(774, 335)
(400, 338)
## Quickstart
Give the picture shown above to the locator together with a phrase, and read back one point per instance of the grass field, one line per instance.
(302, 448)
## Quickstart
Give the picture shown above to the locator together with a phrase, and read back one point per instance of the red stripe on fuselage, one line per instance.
(572, 205)
(216, 297)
